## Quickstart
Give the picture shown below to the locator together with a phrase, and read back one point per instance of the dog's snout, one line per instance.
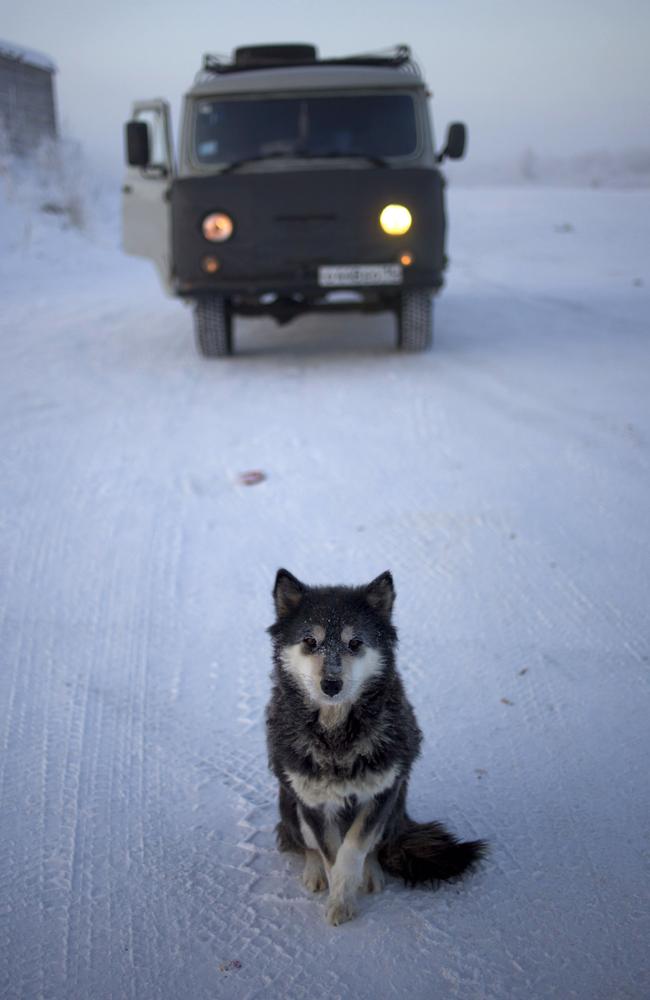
(331, 685)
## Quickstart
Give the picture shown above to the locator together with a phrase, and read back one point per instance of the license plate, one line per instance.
(342, 276)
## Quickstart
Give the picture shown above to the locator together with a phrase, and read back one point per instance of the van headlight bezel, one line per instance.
(395, 219)
(217, 227)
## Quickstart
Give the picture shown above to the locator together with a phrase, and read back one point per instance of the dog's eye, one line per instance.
(310, 642)
(355, 645)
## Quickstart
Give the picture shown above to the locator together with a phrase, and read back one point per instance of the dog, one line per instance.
(342, 738)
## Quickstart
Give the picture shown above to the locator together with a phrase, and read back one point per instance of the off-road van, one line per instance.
(301, 184)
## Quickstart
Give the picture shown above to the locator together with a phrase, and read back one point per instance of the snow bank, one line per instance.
(52, 205)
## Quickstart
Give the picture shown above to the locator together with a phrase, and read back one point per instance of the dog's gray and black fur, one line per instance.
(342, 738)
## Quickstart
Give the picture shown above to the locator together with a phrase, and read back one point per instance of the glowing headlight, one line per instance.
(217, 227)
(395, 220)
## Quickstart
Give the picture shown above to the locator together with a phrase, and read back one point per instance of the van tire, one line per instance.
(213, 326)
(415, 320)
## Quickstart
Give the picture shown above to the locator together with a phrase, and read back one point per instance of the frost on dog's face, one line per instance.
(330, 639)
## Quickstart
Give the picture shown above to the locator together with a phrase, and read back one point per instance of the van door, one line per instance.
(146, 216)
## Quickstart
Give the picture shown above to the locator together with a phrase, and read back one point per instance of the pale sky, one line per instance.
(559, 77)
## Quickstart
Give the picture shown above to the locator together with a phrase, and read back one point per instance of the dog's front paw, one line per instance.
(313, 876)
(314, 881)
(373, 876)
(338, 911)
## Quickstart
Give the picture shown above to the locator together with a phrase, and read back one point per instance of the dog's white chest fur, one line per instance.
(328, 792)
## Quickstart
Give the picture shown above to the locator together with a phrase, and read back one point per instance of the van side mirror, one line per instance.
(137, 144)
(456, 142)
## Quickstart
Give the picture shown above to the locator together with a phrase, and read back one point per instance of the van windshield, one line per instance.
(376, 125)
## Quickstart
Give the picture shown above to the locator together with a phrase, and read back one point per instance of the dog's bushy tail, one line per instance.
(427, 852)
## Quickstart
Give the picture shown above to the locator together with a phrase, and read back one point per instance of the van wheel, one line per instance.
(415, 320)
(213, 326)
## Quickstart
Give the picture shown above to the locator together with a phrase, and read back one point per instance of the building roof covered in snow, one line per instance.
(9, 50)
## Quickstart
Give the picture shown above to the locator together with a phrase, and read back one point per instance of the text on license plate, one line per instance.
(336, 275)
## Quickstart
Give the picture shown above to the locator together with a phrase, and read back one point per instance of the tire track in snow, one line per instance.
(31, 741)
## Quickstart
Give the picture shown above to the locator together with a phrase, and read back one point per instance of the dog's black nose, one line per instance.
(331, 685)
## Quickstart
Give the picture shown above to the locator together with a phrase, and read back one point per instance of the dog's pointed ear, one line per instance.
(288, 592)
(380, 594)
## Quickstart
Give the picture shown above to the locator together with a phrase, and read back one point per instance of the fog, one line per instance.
(554, 77)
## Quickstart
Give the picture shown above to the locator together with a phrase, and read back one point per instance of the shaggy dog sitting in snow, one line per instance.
(342, 739)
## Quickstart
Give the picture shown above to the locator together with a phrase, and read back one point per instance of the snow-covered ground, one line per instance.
(504, 480)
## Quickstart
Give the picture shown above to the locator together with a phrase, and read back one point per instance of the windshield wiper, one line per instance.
(337, 154)
(254, 159)
(334, 154)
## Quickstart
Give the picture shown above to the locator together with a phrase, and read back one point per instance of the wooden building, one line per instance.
(27, 106)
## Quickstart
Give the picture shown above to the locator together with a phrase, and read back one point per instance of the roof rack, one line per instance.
(397, 57)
